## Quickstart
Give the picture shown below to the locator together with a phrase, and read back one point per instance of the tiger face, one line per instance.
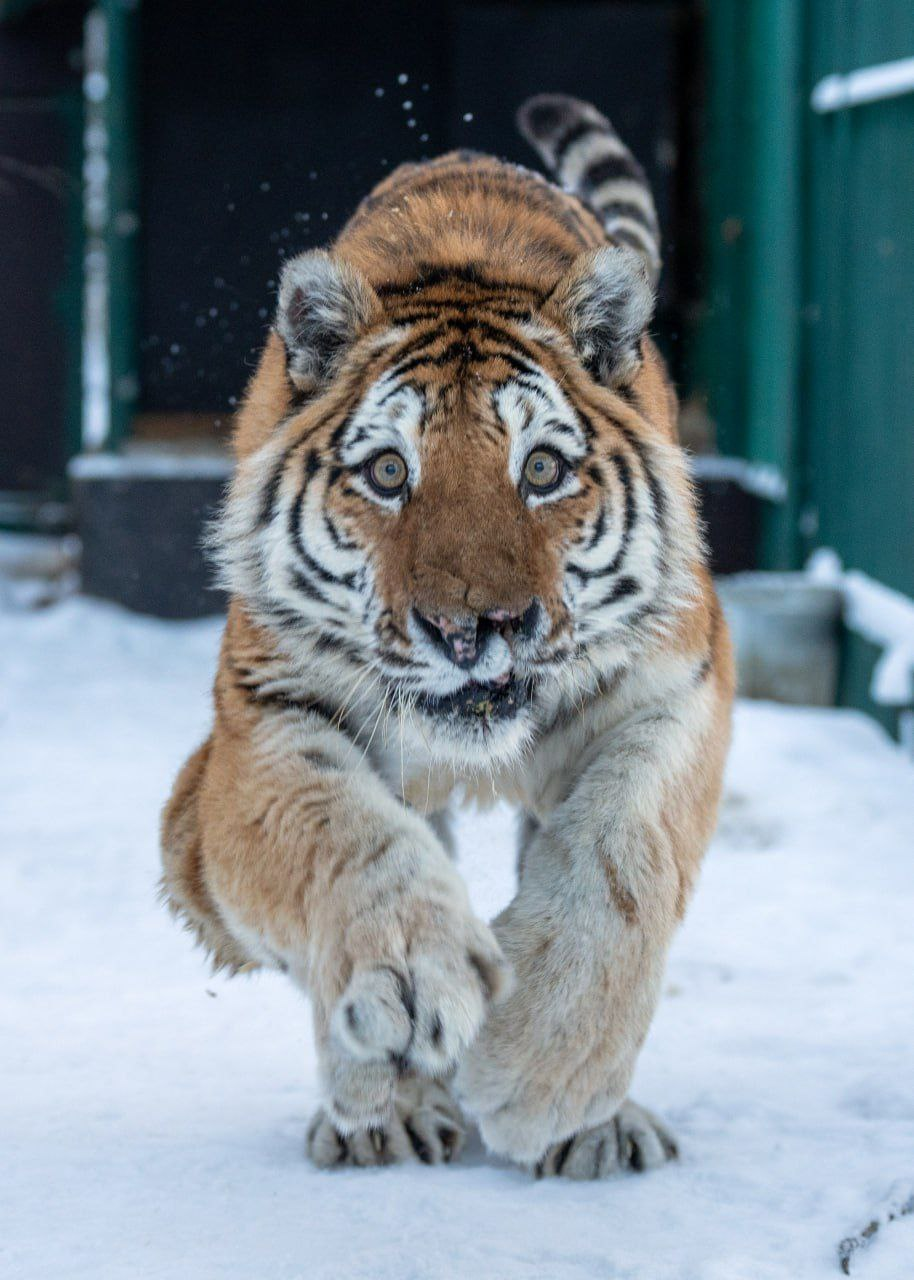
(459, 502)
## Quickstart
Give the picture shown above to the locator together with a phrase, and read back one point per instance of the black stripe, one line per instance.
(389, 395)
(338, 539)
(308, 561)
(627, 393)
(609, 168)
(484, 328)
(574, 133)
(521, 366)
(707, 663)
(468, 353)
(340, 431)
(415, 344)
(657, 496)
(449, 353)
(563, 429)
(312, 705)
(397, 660)
(318, 760)
(442, 311)
(330, 643)
(633, 241)
(620, 590)
(598, 530)
(271, 490)
(277, 614)
(471, 273)
(623, 471)
(533, 387)
(305, 587)
(626, 209)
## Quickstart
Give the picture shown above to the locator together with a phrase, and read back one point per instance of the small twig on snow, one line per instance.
(897, 1204)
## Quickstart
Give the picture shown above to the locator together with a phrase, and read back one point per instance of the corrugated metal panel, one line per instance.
(859, 373)
(811, 324)
(754, 171)
(859, 388)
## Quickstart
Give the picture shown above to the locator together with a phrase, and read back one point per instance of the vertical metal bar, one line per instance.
(722, 353)
(69, 295)
(123, 211)
(775, 83)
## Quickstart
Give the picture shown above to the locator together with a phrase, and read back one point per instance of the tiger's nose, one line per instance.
(465, 638)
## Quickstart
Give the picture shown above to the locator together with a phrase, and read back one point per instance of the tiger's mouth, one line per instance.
(479, 701)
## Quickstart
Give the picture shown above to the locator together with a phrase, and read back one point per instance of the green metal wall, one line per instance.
(858, 384)
(810, 329)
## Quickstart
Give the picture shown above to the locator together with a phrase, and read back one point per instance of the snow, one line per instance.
(883, 616)
(759, 478)
(153, 1117)
(152, 463)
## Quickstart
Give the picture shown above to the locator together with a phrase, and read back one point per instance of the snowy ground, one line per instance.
(152, 1117)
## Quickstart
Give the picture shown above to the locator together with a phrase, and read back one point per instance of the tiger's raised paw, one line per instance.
(426, 1126)
(633, 1139)
(406, 1018)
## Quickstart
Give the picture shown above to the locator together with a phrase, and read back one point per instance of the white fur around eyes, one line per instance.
(536, 419)
(389, 417)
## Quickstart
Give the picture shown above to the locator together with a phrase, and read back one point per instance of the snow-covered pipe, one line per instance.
(868, 84)
(882, 616)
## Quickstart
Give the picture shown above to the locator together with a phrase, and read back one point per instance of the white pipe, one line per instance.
(869, 84)
(881, 615)
(96, 356)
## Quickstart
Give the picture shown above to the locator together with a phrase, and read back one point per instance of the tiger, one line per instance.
(464, 563)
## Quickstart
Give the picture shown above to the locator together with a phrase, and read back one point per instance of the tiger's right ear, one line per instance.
(323, 306)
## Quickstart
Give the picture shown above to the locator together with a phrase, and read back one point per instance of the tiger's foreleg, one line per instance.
(304, 860)
(603, 883)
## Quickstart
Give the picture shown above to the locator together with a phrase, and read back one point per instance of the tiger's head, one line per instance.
(457, 490)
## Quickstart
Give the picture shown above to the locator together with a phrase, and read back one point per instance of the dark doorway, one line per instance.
(264, 125)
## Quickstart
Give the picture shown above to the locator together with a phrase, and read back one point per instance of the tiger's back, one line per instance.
(463, 211)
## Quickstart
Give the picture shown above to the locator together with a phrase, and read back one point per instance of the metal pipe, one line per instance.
(868, 84)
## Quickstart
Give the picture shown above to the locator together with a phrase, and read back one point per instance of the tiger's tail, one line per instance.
(589, 159)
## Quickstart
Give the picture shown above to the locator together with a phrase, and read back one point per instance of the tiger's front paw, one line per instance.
(424, 1125)
(412, 1012)
(516, 1106)
(531, 1083)
(633, 1139)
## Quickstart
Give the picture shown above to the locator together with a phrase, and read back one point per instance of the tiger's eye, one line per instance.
(387, 472)
(542, 470)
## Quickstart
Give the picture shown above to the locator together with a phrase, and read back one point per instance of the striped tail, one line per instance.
(588, 157)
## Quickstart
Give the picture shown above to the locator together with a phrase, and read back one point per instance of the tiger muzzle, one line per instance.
(464, 640)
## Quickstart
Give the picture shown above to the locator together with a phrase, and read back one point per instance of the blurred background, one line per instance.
(158, 161)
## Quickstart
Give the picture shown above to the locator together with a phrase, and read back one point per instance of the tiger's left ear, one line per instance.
(605, 303)
(323, 305)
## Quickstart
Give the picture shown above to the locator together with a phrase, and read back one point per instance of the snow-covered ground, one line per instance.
(152, 1117)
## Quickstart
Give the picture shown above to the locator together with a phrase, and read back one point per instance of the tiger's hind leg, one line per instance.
(426, 1125)
(633, 1139)
(183, 883)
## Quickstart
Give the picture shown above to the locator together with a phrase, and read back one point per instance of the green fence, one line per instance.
(810, 328)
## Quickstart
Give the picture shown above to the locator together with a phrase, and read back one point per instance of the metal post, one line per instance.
(111, 367)
(775, 81)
